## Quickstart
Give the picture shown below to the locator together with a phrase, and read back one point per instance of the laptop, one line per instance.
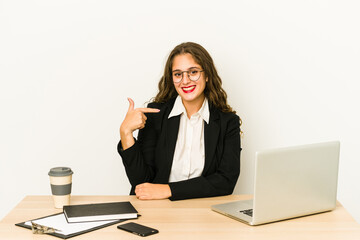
(289, 182)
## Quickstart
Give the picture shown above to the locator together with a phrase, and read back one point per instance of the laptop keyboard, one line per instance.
(248, 212)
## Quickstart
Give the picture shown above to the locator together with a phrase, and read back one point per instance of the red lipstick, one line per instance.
(188, 89)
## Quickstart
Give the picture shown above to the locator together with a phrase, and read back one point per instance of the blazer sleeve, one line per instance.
(138, 160)
(223, 180)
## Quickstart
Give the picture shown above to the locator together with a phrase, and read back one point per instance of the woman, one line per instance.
(189, 139)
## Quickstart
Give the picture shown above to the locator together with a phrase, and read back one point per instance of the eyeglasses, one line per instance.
(193, 74)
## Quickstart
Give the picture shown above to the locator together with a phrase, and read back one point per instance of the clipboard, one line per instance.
(68, 230)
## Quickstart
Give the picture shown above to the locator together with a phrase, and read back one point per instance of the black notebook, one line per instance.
(99, 212)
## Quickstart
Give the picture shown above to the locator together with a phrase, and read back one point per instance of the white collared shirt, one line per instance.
(189, 155)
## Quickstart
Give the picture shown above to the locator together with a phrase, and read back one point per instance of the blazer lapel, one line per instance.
(172, 130)
(211, 136)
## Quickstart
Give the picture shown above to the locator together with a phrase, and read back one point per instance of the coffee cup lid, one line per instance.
(60, 171)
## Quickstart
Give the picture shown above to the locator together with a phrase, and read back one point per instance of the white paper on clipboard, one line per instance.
(59, 222)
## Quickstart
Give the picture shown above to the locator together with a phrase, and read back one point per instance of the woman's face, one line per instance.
(191, 92)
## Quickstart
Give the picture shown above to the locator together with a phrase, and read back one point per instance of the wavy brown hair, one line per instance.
(213, 90)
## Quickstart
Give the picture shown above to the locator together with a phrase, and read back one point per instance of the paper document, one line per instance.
(63, 227)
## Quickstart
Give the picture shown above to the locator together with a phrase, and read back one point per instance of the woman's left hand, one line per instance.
(147, 191)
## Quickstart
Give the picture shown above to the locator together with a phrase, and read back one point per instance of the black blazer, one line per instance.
(150, 158)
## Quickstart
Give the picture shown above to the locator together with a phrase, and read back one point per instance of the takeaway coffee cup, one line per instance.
(60, 181)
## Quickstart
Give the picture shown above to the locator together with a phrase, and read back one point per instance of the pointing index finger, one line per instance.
(148, 110)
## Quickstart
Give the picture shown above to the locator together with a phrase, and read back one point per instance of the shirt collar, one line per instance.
(179, 109)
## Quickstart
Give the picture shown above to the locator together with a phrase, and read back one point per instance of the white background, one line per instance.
(290, 68)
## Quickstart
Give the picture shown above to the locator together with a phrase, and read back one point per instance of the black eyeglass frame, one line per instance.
(182, 75)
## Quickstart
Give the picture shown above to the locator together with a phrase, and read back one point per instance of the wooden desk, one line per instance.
(187, 220)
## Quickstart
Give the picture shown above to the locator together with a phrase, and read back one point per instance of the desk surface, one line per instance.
(187, 220)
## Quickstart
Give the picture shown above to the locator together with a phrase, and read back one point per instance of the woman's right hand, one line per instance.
(134, 119)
